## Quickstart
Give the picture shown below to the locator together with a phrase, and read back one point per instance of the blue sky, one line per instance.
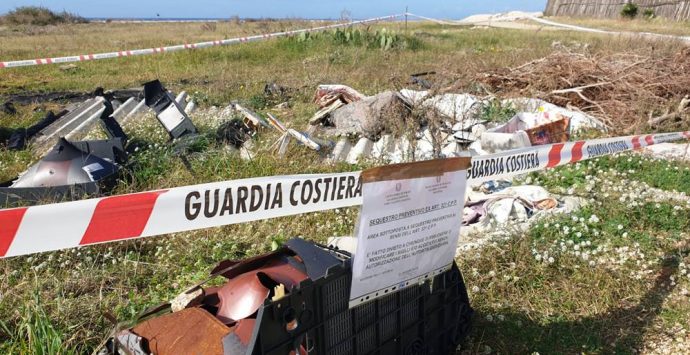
(276, 8)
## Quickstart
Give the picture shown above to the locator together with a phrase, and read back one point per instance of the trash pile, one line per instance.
(442, 125)
(71, 167)
(295, 301)
(619, 88)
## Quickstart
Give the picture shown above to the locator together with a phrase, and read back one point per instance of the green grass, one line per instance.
(586, 282)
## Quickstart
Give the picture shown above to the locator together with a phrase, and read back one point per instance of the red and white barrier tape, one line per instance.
(179, 47)
(35, 229)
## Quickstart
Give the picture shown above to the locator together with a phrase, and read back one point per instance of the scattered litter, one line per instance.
(417, 79)
(68, 67)
(539, 128)
(493, 142)
(669, 151)
(81, 117)
(234, 132)
(327, 94)
(251, 118)
(72, 168)
(168, 110)
(367, 117)
(69, 170)
(578, 121)
(295, 300)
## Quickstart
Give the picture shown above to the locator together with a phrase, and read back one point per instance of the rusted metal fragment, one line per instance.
(242, 295)
(190, 331)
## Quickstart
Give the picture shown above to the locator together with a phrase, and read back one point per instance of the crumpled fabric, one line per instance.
(512, 203)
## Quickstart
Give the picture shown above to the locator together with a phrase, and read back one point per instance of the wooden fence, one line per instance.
(671, 9)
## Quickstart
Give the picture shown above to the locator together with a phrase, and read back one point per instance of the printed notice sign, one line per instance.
(409, 225)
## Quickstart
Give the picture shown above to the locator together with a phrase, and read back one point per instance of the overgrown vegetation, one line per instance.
(630, 10)
(649, 14)
(38, 16)
(383, 39)
(495, 111)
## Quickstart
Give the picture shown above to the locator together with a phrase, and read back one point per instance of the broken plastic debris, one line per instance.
(251, 117)
(169, 113)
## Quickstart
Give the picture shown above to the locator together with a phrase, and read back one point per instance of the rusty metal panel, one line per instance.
(190, 331)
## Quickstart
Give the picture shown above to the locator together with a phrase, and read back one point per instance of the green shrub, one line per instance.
(38, 16)
(630, 10)
(495, 111)
(648, 14)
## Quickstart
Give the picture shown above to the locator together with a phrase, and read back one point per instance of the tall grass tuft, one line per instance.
(34, 333)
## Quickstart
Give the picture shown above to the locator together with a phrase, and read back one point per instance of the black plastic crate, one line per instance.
(431, 318)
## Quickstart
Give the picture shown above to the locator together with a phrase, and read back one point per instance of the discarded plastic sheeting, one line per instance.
(167, 110)
(493, 142)
(514, 203)
(578, 120)
(462, 108)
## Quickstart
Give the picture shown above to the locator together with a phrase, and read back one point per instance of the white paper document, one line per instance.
(408, 232)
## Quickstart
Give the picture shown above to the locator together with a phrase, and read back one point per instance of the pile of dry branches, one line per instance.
(627, 91)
